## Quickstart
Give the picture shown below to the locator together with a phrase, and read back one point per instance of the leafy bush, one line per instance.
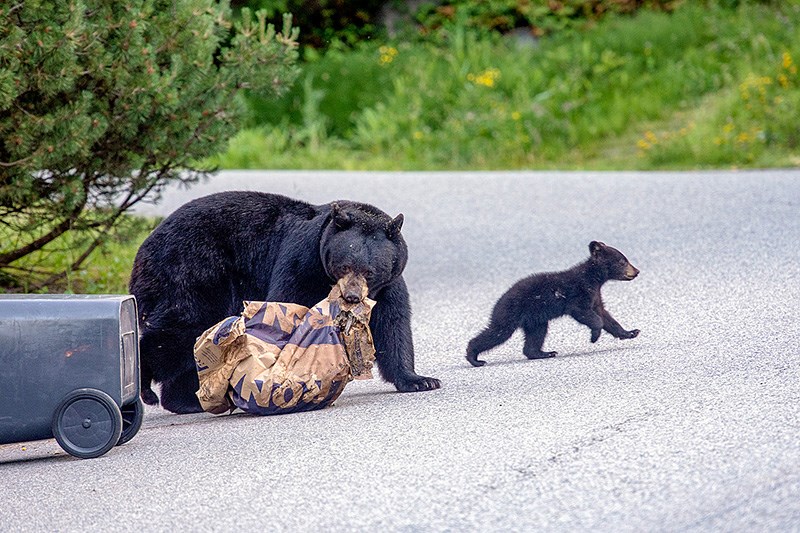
(323, 22)
(541, 16)
(104, 103)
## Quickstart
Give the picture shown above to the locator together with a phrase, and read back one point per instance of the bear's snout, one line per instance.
(354, 287)
(352, 297)
(631, 272)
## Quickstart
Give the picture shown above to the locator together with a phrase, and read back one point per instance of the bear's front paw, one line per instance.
(632, 333)
(417, 383)
(595, 335)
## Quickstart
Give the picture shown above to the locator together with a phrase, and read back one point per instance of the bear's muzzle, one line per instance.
(354, 287)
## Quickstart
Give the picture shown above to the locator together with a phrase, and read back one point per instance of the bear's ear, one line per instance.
(340, 219)
(393, 228)
(595, 247)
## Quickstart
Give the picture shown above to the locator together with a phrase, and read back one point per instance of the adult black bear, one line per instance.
(202, 261)
(532, 302)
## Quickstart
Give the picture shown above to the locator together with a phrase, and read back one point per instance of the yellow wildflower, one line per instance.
(388, 54)
(783, 80)
(644, 145)
(651, 137)
(418, 135)
(787, 60)
(516, 115)
(727, 128)
(743, 138)
(718, 140)
(487, 78)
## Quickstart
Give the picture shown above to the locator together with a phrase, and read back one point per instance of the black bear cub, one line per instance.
(533, 301)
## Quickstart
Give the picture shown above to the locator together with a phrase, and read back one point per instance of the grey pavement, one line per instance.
(692, 426)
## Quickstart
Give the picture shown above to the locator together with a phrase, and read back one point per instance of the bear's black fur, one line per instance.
(533, 301)
(202, 261)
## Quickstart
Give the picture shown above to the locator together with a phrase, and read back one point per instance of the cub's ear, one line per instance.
(340, 219)
(595, 247)
(393, 228)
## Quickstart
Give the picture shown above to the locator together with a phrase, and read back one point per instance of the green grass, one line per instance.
(106, 271)
(653, 91)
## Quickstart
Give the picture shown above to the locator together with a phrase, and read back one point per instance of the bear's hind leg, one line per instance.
(178, 393)
(494, 335)
(534, 339)
(504, 322)
(146, 380)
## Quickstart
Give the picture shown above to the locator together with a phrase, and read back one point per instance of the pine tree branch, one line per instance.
(17, 162)
(131, 198)
(58, 230)
(74, 266)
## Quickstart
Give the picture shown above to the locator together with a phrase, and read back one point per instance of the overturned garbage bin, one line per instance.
(69, 369)
(280, 357)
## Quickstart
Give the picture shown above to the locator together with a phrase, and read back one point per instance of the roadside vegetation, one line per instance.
(497, 84)
(104, 104)
(701, 85)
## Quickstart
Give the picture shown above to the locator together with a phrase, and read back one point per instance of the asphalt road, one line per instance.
(692, 426)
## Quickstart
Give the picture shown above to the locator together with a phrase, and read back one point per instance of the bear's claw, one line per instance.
(541, 355)
(417, 384)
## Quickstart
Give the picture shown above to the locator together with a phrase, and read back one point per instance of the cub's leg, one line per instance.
(495, 334)
(613, 327)
(504, 322)
(591, 320)
(534, 338)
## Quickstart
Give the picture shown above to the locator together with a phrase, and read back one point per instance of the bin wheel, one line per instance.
(87, 423)
(132, 416)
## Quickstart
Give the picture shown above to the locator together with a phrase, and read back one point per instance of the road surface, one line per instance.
(692, 426)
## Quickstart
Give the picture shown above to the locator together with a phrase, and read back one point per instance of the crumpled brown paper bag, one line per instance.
(282, 358)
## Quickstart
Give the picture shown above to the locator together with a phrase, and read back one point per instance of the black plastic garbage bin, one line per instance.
(69, 369)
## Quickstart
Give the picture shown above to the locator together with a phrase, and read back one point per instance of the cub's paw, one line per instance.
(541, 355)
(474, 361)
(595, 335)
(415, 383)
(631, 334)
